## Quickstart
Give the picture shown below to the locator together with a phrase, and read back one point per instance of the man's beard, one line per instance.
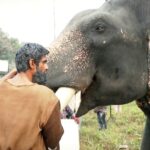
(39, 77)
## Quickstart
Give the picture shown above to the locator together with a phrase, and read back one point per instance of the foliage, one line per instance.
(125, 128)
(8, 47)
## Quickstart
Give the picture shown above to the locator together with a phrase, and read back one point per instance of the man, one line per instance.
(101, 112)
(68, 113)
(29, 112)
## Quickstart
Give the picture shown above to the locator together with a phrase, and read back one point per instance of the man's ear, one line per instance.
(32, 64)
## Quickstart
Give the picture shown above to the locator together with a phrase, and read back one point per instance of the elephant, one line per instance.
(104, 53)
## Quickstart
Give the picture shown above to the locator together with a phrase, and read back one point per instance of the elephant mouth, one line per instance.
(66, 94)
(78, 86)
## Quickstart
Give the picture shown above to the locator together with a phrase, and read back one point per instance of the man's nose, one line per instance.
(46, 67)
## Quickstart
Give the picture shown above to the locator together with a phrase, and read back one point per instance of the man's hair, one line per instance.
(29, 51)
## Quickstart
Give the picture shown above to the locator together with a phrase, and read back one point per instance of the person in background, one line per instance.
(30, 113)
(69, 114)
(101, 112)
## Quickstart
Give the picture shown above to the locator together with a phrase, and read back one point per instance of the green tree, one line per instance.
(8, 47)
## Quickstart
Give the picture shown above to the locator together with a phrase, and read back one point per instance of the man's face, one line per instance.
(41, 70)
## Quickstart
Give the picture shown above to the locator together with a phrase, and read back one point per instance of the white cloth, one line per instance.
(70, 139)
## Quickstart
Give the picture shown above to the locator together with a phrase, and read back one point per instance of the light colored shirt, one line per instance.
(29, 117)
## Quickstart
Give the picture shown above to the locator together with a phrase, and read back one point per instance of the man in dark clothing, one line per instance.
(101, 116)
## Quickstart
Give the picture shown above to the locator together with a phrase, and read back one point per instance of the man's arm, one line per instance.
(9, 75)
(53, 130)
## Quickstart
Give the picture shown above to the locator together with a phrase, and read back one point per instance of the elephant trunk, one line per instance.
(70, 63)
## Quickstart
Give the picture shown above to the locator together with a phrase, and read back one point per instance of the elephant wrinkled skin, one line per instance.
(103, 53)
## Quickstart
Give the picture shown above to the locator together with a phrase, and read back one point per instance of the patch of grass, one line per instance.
(125, 128)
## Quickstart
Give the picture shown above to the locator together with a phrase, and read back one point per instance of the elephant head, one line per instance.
(103, 53)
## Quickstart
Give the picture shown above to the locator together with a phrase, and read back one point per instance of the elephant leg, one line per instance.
(146, 137)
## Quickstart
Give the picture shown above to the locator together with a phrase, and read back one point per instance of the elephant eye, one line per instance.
(100, 28)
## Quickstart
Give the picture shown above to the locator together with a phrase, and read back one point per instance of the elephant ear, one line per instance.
(148, 40)
(144, 102)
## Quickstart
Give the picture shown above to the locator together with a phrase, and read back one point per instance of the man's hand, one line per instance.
(9, 75)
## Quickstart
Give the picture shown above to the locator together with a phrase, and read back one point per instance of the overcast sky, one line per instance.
(33, 20)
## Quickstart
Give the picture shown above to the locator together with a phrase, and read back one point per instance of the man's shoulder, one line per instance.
(47, 92)
(44, 88)
(2, 82)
